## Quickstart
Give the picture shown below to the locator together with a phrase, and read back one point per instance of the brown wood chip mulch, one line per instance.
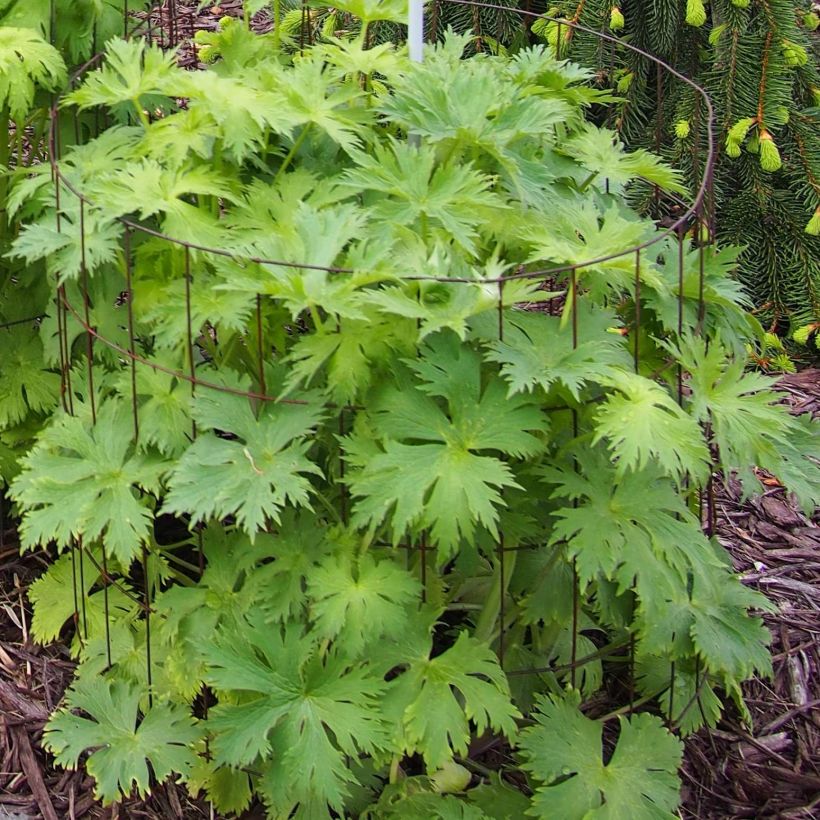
(772, 768)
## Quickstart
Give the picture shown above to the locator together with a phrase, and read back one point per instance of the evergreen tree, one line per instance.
(758, 61)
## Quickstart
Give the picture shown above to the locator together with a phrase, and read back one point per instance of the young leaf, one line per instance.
(536, 351)
(626, 528)
(436, 700)
(563, 753)
(644, 424)
(357, 603)
(300, 709)
(601, 153)
(25, 383)
(252, 474)
(134, 73)
(80, 480)
(420, 194)
(432, 472)
(124, 745)
(26, 61)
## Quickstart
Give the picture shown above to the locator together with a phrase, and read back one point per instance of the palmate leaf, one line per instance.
(52, 595)
(157, 302)
(563, 752)
(164, 409)
(356, 603)
(277, 587)
(748, 426)
(252, 474)
(351, 354)
(369, 11)
(709, 616)
(149, 189)
(301, 710)
(601, 153)
(133, 73)
(418, 193)
(64, 250)
(471, 103)
(626, 528)
(582, 231)
(26, 61)
(435, 701)
(25, 383)
(457, 306)
(309, 95)
(124, 744)
(685, 688)
(80, 479)
(644, 424)
(432, 470)
(538, 351)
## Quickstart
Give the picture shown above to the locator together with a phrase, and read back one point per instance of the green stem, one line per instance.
(485, 627)
(143, 117)
(292, 153)
(277, 13)
(5, 149)
(317, 319)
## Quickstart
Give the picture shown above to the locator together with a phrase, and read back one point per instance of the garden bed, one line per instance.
(771, 769)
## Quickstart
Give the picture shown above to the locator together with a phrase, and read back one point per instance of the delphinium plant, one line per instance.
(465, 519)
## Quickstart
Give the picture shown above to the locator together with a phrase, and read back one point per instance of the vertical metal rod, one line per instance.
(89, 344)
(501, 555)
(702, 226)
(260, 346)
(343, 487)
(680, 306)
(637, 310)
(76, 620)
(67, 346)
(671, 720)
(82, 588)
(132, 352)
(106, 606)
(423, 568)
(575, 582)
(147, 601)
(190, 333)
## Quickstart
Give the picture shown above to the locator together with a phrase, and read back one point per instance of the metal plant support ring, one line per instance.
(697, 212)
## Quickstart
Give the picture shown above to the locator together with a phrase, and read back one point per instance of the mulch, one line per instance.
(772, 767)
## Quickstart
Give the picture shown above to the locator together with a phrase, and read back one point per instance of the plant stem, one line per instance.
(277, 13)
(292, 153)
(5, 149)
(485, 627)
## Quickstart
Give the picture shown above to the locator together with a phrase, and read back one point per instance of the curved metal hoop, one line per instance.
(694, 210)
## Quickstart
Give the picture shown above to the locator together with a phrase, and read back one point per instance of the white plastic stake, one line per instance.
(415, 30)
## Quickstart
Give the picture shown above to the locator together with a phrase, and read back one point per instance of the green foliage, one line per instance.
(563, 753)
(124, 746)
(26, 61)
(442, 479)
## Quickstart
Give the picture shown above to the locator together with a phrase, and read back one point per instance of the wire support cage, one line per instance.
(686, 223)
